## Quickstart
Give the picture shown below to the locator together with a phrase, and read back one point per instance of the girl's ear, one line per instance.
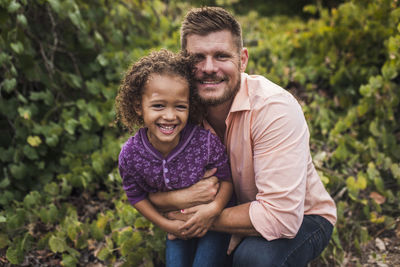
(138, 108)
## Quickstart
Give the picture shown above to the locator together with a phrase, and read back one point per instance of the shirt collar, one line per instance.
(241, 101)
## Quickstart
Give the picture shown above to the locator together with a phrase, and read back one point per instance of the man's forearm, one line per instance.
(172, 200)
(235, 220)
(202, 192)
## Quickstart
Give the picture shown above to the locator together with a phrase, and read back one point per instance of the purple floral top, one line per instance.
(144, 170)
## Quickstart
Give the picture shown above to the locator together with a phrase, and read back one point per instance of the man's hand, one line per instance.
(202, 192)
(205, 190)
(200, 221)
(235, 240)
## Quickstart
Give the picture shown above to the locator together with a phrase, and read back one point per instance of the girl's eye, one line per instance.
(181, 107)
(157, 106)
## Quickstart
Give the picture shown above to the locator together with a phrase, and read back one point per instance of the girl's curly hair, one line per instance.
(162, 62)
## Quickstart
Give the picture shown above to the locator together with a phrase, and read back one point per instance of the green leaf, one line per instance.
(15, 255)
(18, 171)
(69, 261)
(55, 5)
(52, 140)
(34, 141)
(361, 181)
(76, 19)
(124, 234)
(9, 84)
(96, 232)
(373, 128)
(32, 199)
(52, 189)
(395, 171)
(22, 20)
(312, 9)
(142, 222)
(4, 241)
(53, 213)
(13, 6)
(46, 96)
(103, 61)
(57, 244)
(129, 245)
(44, 215)
(103, 254)
(30, 152)
(102, 222)
(70, 126)
(4, 183)
(389, 71)
(85, 121)
(17, 47)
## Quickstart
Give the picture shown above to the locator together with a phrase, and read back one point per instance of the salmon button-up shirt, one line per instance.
(267, 141)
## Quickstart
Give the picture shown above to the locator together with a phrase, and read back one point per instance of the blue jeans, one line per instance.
(209, 250)
(313, 236)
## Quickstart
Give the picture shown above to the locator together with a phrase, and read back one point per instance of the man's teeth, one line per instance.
(210, 82)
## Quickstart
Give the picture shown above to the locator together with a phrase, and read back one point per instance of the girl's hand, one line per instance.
(202, 217)
(173, 230)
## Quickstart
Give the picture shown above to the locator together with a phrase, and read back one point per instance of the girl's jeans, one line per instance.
(207, 251)
(313, 236)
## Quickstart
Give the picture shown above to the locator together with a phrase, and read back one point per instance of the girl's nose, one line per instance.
(169, 114)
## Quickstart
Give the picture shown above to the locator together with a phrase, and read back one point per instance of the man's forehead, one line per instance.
(221, 40)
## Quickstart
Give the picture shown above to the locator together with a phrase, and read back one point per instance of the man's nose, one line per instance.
(208, 65)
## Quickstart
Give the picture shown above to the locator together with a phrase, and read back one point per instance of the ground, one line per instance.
(382, 251)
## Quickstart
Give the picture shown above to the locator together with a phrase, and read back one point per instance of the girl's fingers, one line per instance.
(190, 210)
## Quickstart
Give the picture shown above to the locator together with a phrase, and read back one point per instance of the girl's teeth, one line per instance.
(167, 127)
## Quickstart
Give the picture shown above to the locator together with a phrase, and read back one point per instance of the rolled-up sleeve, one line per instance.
(280, 153)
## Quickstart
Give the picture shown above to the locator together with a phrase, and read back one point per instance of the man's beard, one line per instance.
(227, 96)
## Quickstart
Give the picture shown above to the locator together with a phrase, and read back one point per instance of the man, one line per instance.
(284, 215)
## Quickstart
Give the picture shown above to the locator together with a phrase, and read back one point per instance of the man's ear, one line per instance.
(244, 59)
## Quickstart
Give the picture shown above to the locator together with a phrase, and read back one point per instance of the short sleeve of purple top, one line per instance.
(144, 170)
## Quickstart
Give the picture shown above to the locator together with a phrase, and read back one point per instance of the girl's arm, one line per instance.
(205, 214)
(149, 211)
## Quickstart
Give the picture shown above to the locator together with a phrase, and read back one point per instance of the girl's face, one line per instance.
(165, 110)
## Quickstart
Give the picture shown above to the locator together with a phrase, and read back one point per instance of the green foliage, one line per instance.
(61, 63)
(59, 143)
(345, 67)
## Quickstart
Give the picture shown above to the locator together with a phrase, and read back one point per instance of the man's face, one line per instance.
(219, 67)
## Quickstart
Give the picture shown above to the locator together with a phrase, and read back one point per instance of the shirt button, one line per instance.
(165, 170)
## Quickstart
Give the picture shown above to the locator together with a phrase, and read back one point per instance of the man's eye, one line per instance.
(222, 56)
(198, 57)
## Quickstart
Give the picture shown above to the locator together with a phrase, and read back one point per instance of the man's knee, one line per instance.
(252, 251)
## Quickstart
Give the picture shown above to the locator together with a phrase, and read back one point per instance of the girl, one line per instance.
(169, 153)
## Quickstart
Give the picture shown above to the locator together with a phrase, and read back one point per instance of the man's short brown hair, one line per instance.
(205, 20)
